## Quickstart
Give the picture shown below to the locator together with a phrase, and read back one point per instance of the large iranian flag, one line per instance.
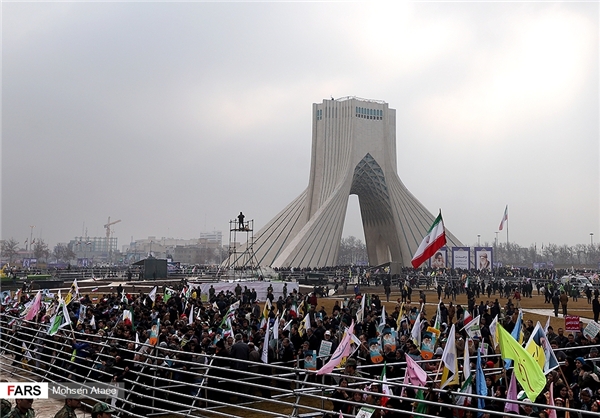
(433, 241)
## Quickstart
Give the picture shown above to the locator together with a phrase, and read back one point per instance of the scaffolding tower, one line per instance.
(241, 263)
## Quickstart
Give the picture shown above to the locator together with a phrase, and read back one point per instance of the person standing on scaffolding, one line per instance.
(241, 221)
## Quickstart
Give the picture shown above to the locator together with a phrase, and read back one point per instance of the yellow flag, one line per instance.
(448, 379)
(267, 308)
(526, 369)
(400, 315)
(68, 298)
(537, 353)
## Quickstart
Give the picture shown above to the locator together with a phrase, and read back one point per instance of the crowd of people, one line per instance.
(178, 331)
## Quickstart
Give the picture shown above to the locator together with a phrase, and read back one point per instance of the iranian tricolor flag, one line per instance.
(504, 218)
(433, 241)
(385, 389)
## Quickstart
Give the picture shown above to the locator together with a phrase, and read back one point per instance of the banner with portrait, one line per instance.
(483, 258)
(461, 258)
(389, 338)
(428, 342)
(310, 360)
(439, 259)
(375, 350)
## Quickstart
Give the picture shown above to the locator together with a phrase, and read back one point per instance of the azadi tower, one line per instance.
(353, 152)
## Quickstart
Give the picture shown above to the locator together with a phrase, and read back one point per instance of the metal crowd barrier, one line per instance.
(208, 385)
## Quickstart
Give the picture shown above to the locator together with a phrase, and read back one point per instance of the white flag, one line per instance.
(416, 331)
(152, 294)
(265, 350)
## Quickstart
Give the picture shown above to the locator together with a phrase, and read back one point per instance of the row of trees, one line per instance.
(10, 250)
(354, 251)
(560, 255)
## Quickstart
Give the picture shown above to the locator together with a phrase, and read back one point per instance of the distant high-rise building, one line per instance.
(353, 152)
(213, 236)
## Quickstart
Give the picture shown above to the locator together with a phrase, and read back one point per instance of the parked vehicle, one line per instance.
(580, 282)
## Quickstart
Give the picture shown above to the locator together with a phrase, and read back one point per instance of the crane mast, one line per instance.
(108, 236)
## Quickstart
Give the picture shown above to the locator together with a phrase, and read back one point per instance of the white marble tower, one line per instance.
(353, 152)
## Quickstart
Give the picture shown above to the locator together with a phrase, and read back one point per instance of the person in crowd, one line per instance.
(5, 407)
(22, 409)
(68, 410)
(102, 410)
(564, 301)
(181, 342)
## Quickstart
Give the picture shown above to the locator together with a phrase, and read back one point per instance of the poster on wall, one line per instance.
(483, 258)
(461, 257)
(438, 261)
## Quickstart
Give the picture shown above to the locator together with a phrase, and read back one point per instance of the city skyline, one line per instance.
(174, 117)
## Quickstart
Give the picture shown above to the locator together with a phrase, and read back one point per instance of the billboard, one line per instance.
(483, 258)
(461, 257)
(29, 262)
(439, 259)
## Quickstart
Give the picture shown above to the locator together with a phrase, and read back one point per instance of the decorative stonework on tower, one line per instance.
(353, 152)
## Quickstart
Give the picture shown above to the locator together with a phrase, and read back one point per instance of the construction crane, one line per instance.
(108, 232)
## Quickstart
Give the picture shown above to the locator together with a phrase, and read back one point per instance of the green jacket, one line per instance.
(66, 412)
(16, 413)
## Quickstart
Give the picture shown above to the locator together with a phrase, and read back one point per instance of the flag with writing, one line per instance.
(526, 369)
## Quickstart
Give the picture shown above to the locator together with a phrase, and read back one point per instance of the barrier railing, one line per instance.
(157, 381)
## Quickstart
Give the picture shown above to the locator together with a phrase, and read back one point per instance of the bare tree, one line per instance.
(10, 249)
(63, 253)
(352, 251)
(41, 250)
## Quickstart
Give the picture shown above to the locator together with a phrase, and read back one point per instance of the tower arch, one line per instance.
(353, 152)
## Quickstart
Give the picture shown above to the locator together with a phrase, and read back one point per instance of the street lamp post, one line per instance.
(30, 240)
(591, 238)
(497, 238)
(478, 240)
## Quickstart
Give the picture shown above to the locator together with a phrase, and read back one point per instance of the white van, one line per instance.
(580, 282)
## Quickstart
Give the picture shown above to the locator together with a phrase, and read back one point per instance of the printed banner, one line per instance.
(592, 329)
(571, 323)
(461, 257)
(325, 348)
(438, 261)
(310, 360)
(389, 337)
(428, 343)
(483, 258)
(375, 350)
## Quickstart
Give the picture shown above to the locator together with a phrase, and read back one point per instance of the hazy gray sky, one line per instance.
(173, 117)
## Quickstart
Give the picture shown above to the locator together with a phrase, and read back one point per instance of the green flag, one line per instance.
(421, 408)
(55, 323)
